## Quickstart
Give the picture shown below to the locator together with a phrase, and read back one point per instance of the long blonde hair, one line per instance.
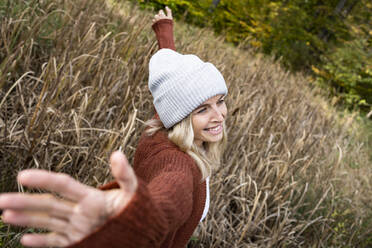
(182, 134)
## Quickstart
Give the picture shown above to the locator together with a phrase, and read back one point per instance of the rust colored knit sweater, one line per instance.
(170, 198)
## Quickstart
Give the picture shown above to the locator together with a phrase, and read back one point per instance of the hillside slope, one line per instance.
(73, 87)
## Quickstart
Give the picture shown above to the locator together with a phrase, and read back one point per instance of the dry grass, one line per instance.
(73, 78)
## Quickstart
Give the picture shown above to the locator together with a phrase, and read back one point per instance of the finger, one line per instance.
(123, 172)
(34, 219)
(55, 182)
(169, 12)
(37, 202)
(45, 240)
(161, 13)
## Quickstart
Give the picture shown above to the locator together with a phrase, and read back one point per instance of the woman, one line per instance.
(161, 201)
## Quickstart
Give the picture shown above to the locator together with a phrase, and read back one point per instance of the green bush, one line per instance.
(348, 69)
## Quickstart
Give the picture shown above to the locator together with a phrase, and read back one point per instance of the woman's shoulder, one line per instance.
(156, 145)
(159, 144)
(157, 141)
(157, 151)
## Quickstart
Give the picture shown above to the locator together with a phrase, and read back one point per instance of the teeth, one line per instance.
(214, 128)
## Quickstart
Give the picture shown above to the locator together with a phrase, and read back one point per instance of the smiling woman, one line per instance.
(161, 200)
(208, 120)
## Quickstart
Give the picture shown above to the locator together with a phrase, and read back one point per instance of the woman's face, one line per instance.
(208, 120)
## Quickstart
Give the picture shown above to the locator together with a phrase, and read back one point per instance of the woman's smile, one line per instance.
(214, 130)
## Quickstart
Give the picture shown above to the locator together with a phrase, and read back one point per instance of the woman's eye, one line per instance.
(220, 101)
(201, 110)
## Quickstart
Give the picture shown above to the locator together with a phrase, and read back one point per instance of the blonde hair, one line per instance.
(182, 134)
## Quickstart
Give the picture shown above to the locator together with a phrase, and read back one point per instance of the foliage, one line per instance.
(349, 70)
(301, 34)
(295, 31)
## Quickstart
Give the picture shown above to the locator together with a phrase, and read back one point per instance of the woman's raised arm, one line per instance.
(163, 27)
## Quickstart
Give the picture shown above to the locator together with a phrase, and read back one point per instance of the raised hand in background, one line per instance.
(162, 15)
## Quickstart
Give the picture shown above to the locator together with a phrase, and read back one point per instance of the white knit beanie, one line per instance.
(180, 83)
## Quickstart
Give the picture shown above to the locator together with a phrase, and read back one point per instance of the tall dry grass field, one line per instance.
(73, 88)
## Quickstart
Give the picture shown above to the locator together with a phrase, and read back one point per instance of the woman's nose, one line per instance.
(218, 115)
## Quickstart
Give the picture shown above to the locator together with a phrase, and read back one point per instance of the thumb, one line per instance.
(169, 12)
(123, 172)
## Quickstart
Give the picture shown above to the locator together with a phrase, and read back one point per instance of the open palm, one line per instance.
(78, 211)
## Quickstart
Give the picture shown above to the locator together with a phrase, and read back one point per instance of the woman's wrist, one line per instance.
(163, 29)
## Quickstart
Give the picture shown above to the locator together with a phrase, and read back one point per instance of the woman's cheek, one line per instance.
(224, 109)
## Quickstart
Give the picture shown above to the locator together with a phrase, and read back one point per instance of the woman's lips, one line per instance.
(214, 130)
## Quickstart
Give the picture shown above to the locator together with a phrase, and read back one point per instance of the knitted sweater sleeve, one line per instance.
(164, 33)
(158, 207)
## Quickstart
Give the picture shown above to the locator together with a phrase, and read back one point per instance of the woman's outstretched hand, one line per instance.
(78, 212)
(162, 15)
